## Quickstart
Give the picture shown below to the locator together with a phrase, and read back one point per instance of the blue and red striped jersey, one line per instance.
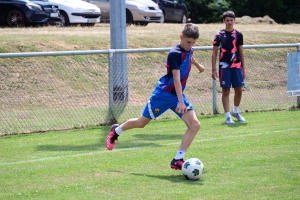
(180, 59)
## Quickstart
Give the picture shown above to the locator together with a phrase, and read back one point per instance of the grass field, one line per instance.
(256, 160)
(259, 159)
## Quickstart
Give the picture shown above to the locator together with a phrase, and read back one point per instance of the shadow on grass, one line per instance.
(96, 146)
(236, 124)
(89, 147)
(92, 147)
(171, 178)
(160, 136)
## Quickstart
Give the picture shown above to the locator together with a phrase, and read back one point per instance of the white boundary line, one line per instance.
(134, 148)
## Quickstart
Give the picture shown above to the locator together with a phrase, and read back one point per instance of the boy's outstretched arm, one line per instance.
(199, 66)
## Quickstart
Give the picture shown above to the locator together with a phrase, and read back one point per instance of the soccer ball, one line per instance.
(192, 169)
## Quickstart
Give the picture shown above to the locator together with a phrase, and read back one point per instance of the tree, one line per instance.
(206, 11)
(282, 11)
(210, 11)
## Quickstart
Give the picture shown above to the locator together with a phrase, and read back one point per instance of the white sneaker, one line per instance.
(239, 117)
(229, 120)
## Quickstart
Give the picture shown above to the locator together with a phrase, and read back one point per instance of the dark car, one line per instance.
(18, 13)
(173, 10)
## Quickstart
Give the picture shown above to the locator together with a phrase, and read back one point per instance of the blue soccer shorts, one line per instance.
(160, 103)
(231, 77)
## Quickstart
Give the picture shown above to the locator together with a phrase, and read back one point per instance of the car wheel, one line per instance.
(184, 20)
(129, 19)
(141, 23)
(162, 18)
(15, 18)
(87, 24)
(64, 19)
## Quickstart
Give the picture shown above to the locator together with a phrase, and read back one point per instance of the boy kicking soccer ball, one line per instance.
(168, 94)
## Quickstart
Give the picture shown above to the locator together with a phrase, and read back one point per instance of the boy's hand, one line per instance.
(181, 108)
(201, 68)
(214, 74)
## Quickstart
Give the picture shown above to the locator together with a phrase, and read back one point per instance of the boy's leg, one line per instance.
(225, 83)
(225, 102)
(193, 126)
(225, 99)
(156, 106)
(140, 122)
(237, 96)
(237, 84)
(237, 101)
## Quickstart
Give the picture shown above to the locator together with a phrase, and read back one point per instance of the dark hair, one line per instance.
(228, 13)
(190, 31)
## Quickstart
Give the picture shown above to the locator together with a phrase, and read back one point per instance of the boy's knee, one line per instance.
(196, 126)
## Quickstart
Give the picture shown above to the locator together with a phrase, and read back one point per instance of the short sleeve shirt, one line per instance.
(180, 59)
(229, 43)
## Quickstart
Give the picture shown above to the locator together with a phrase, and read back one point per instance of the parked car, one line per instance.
(18, 13)
(173, 10)
(74, 12)
(138, 12)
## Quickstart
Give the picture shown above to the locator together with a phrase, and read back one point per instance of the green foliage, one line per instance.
(282, 11)
(208, 11)
(217, 9)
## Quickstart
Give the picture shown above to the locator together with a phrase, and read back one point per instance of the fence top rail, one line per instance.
(143, 50)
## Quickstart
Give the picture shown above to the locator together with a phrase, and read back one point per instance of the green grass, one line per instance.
(256, 160)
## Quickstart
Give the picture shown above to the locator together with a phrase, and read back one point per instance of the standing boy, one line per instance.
(231, 65)
(168, 94)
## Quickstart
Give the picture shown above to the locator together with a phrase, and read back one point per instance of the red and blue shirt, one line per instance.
(180, 59)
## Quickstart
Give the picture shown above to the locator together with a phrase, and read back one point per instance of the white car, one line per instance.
(74, 12)
(138, 12)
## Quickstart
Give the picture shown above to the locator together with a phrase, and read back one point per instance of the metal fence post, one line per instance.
(118, 62)
(214, 89)
(110, 116)
(298, 97)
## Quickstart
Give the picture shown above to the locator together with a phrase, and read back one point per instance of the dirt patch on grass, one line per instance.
(255, 20)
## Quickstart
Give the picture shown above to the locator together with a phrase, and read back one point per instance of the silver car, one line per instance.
(138, 12)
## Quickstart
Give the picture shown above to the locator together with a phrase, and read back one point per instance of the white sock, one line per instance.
(118, 130)
(180, 154)
(227, 114)
(235, 109)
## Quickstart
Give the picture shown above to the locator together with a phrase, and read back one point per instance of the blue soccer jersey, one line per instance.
(180, 59)
(164, 96)
(229, 43)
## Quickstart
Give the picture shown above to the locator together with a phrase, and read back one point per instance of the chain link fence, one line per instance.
(66, 90)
